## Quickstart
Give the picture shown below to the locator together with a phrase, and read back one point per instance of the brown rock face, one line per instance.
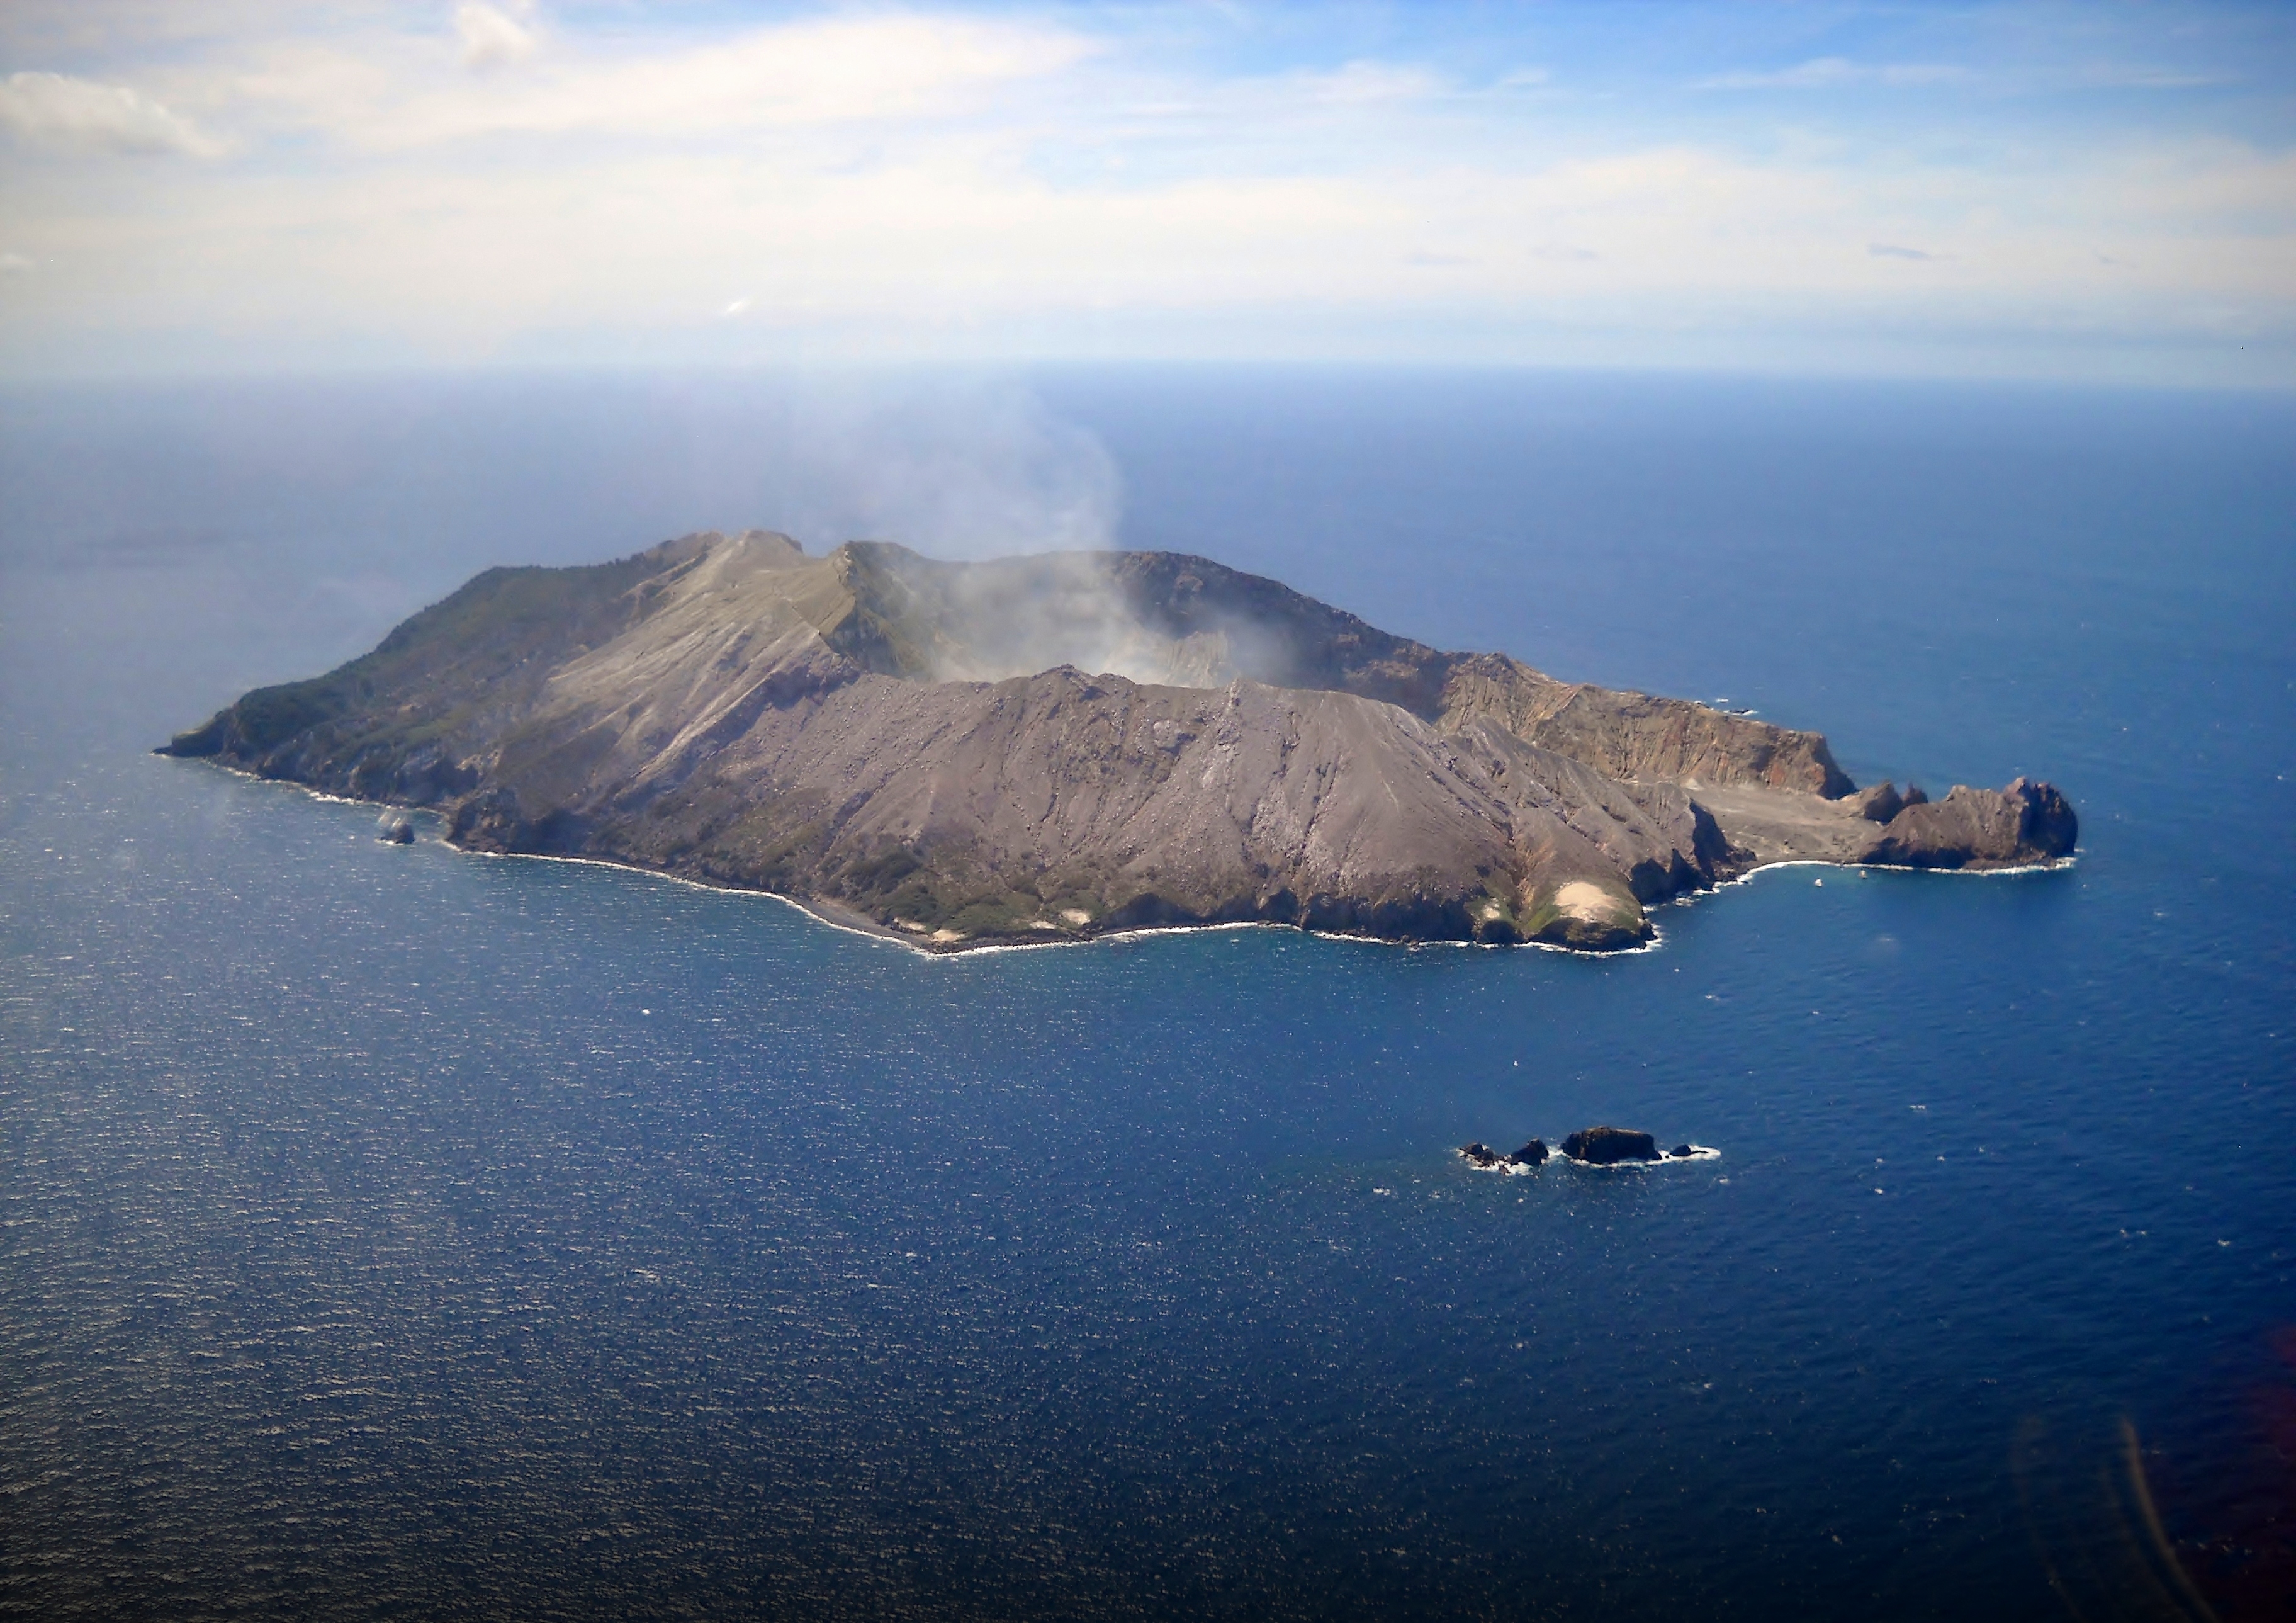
(1052, 748)
(1881, 802)
(2023, 824)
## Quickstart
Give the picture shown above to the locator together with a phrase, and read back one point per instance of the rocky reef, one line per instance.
(1608, 1146)
(1053, 747)
(1588, 1147)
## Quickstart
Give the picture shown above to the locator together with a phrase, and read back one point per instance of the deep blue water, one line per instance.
(398, 1232)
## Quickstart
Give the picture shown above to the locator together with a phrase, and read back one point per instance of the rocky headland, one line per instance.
(1052, 747)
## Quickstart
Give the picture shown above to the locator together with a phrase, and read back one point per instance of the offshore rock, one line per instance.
(1608, 1146)
(1482, 1155)
(2024, 824)
(1053, 747)
(1533, 1154)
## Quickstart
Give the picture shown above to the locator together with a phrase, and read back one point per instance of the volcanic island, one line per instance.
(1057, 746)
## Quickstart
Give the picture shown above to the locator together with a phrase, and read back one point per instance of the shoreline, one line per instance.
(852, 925)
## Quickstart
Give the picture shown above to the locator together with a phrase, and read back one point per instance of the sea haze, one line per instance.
(393, 1232)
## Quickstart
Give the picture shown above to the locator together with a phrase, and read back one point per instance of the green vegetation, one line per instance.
(876, 875)
(268, 717)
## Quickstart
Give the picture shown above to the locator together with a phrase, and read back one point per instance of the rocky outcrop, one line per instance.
(1051, 748)
(1591, 1147)
(1881, 802)
(1484, 1159)
(1608, 1146)
(2023, 824)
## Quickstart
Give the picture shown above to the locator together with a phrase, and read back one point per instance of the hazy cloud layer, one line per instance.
(503, 180)
(495, 36)
(57, 109)
(398, 93)
(1828, 72)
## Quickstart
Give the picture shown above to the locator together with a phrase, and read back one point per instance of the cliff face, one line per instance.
(1049, 747)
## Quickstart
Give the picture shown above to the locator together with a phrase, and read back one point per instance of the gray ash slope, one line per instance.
(1055, 746)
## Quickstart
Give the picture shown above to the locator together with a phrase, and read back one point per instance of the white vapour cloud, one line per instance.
(492, 36)
(14, 265)
(58, 110)
(963, 470)
(953, 467)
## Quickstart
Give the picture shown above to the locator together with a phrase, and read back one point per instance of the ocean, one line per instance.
(396, 1232)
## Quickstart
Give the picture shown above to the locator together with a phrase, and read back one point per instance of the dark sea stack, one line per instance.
(2046, 821)
(1608, 1146)
(1481, 1154)
(1683, 1152)
(1063, 746)
(1533, 1154)
(398, 833)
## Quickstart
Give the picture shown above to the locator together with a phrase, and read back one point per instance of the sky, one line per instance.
(2102, 191)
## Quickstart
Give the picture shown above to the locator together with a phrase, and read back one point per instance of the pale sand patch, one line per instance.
(1076, 915)
(1583, 900)
(1784, 826)
(944, 937)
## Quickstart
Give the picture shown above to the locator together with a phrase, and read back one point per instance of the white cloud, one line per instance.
(14, 265)
(954, 252)
(870, 67)
(1830, 72)
(2151, 79)
(902, 185)
(492, 37)
(57, 109)
(1361, 82)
